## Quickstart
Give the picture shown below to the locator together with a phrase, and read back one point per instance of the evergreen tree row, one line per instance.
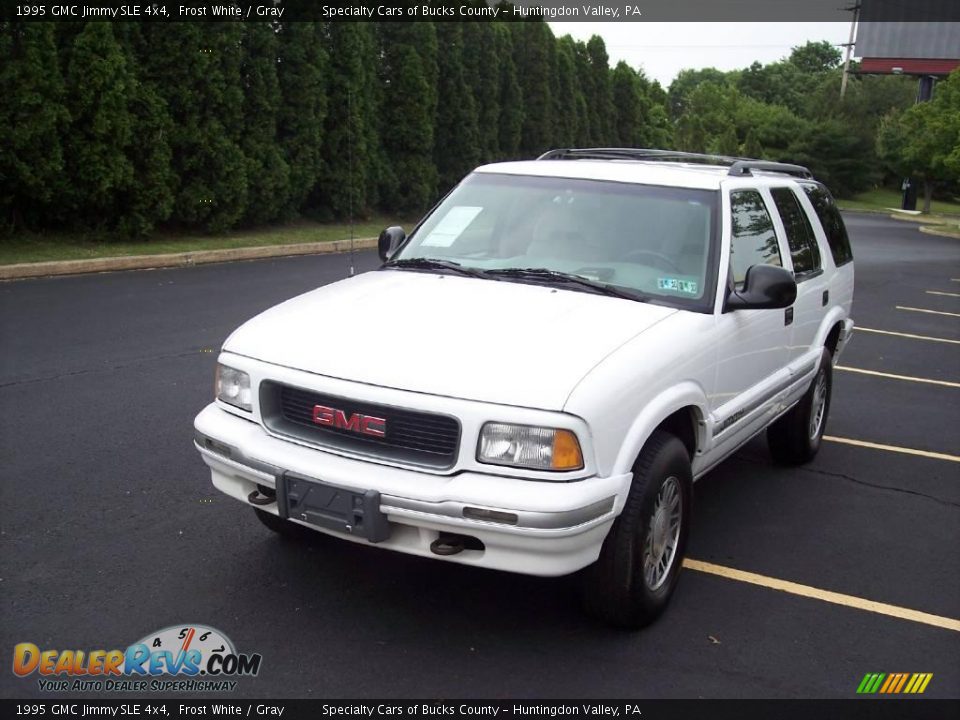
(129, 127)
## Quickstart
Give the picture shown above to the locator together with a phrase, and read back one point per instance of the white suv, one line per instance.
(536, 375)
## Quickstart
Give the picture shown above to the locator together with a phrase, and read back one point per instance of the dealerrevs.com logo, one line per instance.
(179, 658)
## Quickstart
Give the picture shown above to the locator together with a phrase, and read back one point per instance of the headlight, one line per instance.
(537, 448)
(233, 387)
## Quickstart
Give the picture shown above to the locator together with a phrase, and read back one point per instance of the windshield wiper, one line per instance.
(422, 263)
(562, 278)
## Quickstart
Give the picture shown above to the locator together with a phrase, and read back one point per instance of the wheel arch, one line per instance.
(681, 410)
(830, 328)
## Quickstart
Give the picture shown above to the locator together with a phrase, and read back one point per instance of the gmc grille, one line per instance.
(413, 437)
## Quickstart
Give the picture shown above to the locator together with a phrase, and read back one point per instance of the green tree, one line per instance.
(600, 98)
(457, 139)
(197, 69)
(840, 157)
(751, 147)
(570, 106)
(924, 141)
(267, 171)
(350, 152)
(99, 85)
(534, 56)
(33, 119)
(510, 124)
(149, 198)
(685, 83)
(482, 75)
(302, 74)
(628, 107)
(408, 61)
(815, 57)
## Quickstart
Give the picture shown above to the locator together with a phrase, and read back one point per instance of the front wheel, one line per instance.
(639, 564)
(795, 437)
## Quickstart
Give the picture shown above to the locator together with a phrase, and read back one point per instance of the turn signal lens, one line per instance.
(566, 451)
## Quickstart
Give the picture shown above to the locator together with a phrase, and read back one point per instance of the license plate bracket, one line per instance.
(346, 510)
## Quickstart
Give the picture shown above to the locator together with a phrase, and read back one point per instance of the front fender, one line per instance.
(684, 395)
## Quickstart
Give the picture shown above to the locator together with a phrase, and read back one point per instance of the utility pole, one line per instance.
(846, 62)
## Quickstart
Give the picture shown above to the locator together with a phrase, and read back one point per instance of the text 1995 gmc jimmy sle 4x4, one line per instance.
(535, 377)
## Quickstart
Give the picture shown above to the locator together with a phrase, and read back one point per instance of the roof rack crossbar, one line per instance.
(739, 166)
(744, 167)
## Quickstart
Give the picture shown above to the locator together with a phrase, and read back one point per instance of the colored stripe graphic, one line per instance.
(894, 683)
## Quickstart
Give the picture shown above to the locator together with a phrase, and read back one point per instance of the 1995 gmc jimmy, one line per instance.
(537, 374)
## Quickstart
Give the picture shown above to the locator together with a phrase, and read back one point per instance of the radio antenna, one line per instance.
(352, 179)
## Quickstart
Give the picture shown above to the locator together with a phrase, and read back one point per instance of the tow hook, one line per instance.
(262, 496)
(447, 544)
(452, 543)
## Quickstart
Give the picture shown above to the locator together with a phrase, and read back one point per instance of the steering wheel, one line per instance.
(665, 262)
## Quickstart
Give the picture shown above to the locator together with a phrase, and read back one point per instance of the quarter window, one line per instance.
(752, 238)
(832, 223)
(800, 237)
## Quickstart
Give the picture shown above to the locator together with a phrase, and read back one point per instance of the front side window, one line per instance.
(832, 223)
(803, 243)
(752, 237)
(654, 243)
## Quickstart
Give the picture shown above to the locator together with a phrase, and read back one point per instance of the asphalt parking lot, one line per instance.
(111, 529)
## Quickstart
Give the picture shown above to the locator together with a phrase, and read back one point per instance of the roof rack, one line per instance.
(739, 166)
(744, 167)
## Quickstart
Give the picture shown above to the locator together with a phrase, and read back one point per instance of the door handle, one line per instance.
(788, 316)
(826, 298)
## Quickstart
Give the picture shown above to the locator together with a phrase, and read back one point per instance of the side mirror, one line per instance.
(390, 239)
(764, 287)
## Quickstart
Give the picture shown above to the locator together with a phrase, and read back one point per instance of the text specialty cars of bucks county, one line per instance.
(538, 372)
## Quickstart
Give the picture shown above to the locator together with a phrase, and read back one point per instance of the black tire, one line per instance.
(614, 589)
(285, 528)
(792, 439)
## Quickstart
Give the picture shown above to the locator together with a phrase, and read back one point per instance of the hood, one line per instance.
(499, 342)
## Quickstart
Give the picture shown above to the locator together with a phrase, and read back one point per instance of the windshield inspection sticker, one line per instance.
(688, 287)
(453, 224)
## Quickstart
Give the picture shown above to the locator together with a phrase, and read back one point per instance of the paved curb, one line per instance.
(940, 231)
(184, 259)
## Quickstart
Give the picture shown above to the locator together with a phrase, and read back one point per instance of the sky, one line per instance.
(664, 49)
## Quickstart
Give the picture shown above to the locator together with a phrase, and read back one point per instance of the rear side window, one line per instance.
(752, 238)
(800, 237)
(833, 226)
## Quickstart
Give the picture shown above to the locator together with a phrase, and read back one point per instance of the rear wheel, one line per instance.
(639, 564)
(795, 437)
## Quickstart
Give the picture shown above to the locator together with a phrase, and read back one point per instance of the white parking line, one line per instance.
(908, 335)
(944, 383)
(924, 310)
(940, 292)
(825, 595)
(892, 448)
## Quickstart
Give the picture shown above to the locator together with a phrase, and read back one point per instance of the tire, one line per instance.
(621, 588)
(796, 436)
(285, 528)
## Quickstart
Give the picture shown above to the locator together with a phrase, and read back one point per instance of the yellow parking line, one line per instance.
(940, 292)
(944, 383)
(825, 595)
(908, 335)
(924, 310)
(892, 448)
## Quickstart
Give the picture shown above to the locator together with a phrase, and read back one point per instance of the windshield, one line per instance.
(656, 243)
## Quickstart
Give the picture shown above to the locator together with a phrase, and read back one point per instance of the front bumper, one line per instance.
(559, 528)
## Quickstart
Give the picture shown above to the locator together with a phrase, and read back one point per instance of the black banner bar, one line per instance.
(480, 10)
(855, 709)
